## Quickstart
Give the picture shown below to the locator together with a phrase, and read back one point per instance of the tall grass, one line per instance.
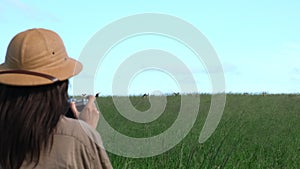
(256, 131)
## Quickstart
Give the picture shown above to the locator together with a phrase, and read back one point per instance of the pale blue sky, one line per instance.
(257, 42)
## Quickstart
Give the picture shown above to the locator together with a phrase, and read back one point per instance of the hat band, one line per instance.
(53, 79)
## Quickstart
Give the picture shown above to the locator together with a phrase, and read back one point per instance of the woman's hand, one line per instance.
(89, 113)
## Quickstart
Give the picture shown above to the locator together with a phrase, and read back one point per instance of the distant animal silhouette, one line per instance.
(97, 94)
(145, 95)
(176, 94)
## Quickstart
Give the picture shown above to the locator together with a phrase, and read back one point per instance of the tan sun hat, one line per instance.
(37, 57)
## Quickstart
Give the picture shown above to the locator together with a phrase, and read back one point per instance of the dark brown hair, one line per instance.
(28, 117)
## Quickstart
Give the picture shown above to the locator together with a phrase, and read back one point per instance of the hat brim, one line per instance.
(68, 69)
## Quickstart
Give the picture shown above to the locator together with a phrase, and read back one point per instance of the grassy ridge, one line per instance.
(255, 132)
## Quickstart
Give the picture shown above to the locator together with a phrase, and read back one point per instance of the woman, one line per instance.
(33, 101)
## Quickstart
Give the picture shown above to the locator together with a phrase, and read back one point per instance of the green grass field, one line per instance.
(255, 132)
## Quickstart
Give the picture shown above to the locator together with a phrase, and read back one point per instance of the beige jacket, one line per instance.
(75, 146)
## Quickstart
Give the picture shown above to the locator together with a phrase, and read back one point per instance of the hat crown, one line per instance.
(35, 49)
(37, 57)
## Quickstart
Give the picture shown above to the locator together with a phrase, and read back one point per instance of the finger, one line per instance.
(91, 99)
(74, 110)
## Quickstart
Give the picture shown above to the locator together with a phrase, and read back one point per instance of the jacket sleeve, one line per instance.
(103, 159)
(100, 157)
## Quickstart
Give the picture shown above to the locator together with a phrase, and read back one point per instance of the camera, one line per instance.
(80, 103)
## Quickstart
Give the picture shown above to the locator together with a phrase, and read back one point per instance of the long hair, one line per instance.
(28, 117)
